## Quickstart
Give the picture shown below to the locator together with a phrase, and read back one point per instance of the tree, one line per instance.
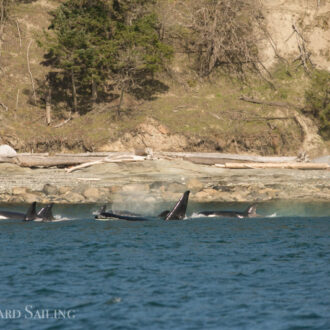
(80, 44)
(98, 42)
(140, 54)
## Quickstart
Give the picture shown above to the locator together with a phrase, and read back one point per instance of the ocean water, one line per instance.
(271, 272)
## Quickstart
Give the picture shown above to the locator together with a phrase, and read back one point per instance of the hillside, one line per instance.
(187, 112)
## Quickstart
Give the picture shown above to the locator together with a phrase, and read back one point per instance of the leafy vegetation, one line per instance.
(317, 99)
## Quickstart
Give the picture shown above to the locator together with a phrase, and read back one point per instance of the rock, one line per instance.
(7, 151)
(49, 189)
(170, 196)
(152, 134)
(18, 191)
(158, 186)
(176, 187)
(136, 188)
(92, 194)
(13, 168)
(150, 200)
(194, 185)
(73, 197)
(206, 195)
(114, 189)
(30, 198)
(64, 189)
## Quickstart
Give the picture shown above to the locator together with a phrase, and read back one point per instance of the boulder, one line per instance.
(7, 151)
(49, 189)
(92, 194)
(18, 190)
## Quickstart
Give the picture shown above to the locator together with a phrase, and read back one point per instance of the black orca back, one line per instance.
(164, 214)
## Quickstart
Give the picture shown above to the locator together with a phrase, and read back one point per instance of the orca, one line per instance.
(178, 212)
(119, 216)
(250, 212)
(45, 214)
(30, 214)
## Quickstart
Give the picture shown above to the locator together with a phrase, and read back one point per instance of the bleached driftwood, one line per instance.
(50, 161)
(298, 166)
(116, 159)
(84, 165)
(221, 158)
(95, 154)
(10, 160)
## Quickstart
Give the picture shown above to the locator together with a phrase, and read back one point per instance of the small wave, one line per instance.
(59, 218)
(272, 215)
(107, 219)
(196, 215)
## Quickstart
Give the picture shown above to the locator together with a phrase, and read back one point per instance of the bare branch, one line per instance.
(3, 106)
(19, 34)
(30, 73)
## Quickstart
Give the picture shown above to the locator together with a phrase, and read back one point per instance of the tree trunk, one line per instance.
(120, 102)
(74, 92)
(94, 91)
(48, 105)
(30, 73)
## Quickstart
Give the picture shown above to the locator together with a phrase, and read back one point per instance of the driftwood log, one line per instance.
(221, 158)
(50, 161)
(118, 159)
(77, 161)
(297, 166)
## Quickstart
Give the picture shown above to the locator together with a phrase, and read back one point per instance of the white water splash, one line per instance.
(138, 202)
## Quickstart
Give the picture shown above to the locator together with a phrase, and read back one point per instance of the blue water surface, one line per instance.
(262, 273)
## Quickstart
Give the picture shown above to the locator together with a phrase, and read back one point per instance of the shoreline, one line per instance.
(160, 180)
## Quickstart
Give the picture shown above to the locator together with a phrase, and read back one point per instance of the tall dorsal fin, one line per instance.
(180, 208)
(251, 210)
(46, 213)
(103, 209)
(31, 213)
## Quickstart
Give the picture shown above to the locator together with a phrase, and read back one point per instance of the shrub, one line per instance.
(317, 98)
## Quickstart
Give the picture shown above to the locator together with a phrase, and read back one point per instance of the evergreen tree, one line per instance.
(94, 42)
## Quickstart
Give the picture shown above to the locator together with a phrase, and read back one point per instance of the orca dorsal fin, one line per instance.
(47, 214)
(31, 213)
(103, 209)
(251, 211)
(180, 208)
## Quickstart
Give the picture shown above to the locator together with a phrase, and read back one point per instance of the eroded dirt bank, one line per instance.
(160, 180)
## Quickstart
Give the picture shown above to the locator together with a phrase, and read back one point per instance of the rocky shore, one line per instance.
(160, 180)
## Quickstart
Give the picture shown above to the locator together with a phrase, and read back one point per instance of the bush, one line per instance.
(317, 98)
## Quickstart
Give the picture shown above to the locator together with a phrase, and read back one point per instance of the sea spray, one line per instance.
(139, 202)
